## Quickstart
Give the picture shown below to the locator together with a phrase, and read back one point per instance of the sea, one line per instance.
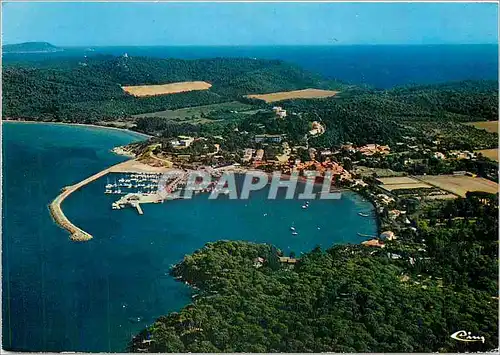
(378, 66)
(58, 295)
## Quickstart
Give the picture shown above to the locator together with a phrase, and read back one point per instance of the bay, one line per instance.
(93, 296)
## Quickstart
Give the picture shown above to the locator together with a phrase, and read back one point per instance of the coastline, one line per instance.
(142, 135)
(119, 150)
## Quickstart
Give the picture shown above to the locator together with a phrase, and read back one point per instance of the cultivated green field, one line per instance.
(195, 113)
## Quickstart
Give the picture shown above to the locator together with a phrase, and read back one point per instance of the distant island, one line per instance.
(31, 47)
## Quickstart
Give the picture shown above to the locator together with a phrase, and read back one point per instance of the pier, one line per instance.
(77, 234)
(135, 200)
(139, 209)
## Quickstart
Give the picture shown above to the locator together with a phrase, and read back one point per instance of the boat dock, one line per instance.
(135, 200)
(139, 209)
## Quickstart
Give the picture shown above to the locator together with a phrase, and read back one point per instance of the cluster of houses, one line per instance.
(380, 241)
(321, 167)
(284, 260)
(248, 155)
(280, 113)
(291, 165)
(367, 150)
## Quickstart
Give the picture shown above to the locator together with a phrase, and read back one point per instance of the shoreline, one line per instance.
(77, 234)
(124, 130)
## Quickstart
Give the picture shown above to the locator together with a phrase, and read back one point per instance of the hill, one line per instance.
(90, 90)
(31, 47)
(349, 298)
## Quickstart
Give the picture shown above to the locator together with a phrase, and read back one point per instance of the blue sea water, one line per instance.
(380, 66)
(65, 296)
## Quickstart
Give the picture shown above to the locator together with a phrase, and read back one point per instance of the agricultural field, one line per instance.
(460, 184)
(165, 89)
(489, 126)
(397, 180)
(194, 114)
(489, 153)
(297, 94)
(402, 183)
(365, 171)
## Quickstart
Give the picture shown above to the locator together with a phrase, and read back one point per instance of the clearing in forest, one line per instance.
(165, 89)
(196, 112)
(489, 153)
(488, 126)
(296, 94)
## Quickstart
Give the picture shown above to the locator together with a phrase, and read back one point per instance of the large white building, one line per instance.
(279, 111)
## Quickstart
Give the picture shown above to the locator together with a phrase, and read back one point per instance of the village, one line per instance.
(393, 177)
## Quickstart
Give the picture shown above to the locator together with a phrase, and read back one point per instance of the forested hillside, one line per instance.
(347, 298)
(476, 99)
(385, 116)
(90, 90)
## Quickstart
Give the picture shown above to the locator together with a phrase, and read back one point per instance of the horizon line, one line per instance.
(256, 45)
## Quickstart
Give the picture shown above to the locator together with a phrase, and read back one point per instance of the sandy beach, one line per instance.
(147, 136)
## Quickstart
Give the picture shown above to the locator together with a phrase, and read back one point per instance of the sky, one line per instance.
(122, 24)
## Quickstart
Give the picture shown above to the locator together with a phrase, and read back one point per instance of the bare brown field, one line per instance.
(489, 126)
(165, 89)
(296, 94)
(489, 153)
(460, 184)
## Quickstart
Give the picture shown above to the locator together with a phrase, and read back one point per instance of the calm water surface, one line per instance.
(59, 295)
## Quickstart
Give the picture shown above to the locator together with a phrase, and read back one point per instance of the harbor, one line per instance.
(128, 167)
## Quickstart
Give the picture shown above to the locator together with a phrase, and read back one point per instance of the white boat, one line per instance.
(108, 186)
(108, 191)
(304, 206)
(292, 229)
(294, 233)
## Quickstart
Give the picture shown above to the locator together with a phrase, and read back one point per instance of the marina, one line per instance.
(140, 172)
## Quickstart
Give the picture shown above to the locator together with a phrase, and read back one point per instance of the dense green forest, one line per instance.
(361, 119)
(89, 90)
(385, 116)
(368, 117)
(478, 99)
(348, 298)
